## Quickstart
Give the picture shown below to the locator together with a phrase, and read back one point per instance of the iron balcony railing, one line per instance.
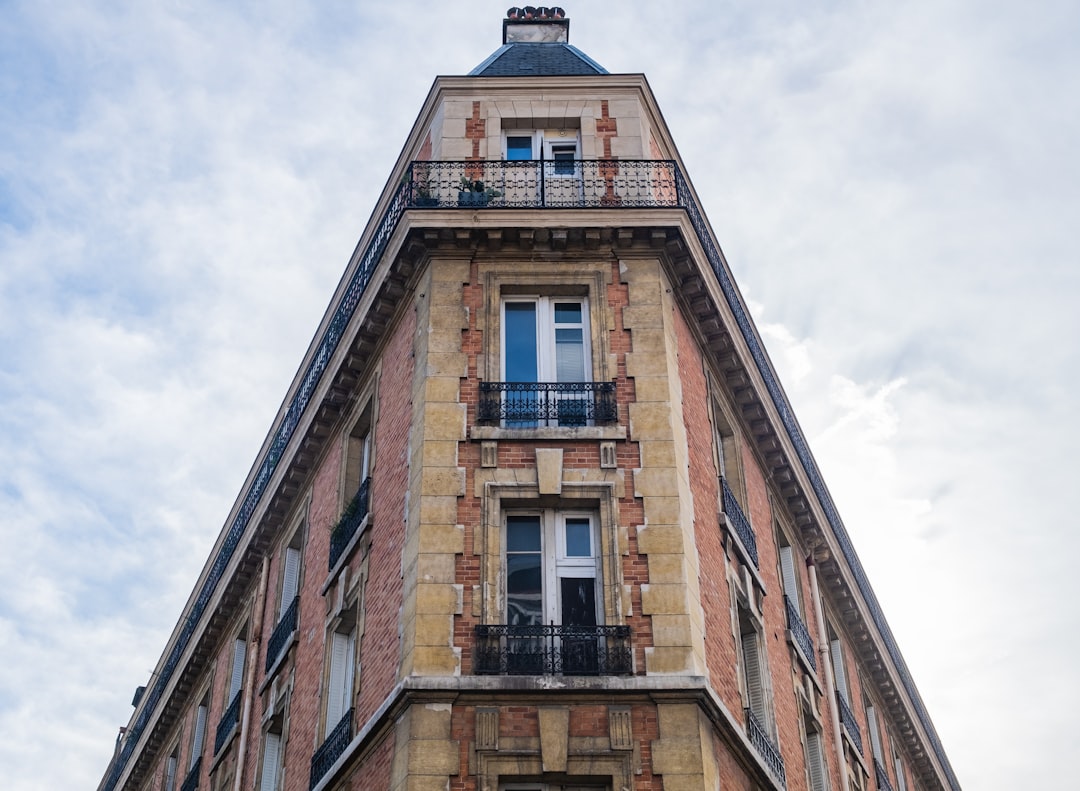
(191, 782)
(533, 404)
(883, 783)
(561, 184)
(847, 719)
(282, 632)
(553, 650)
(738, 521)
(759, 737)
(660, 183)
(331, 749)
(351, 519)
(800, 632)
(229, 720)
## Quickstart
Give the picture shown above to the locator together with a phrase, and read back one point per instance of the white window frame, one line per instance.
(546, 326)
(557, 565)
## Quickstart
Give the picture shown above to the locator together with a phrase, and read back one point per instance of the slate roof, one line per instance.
(528, 59)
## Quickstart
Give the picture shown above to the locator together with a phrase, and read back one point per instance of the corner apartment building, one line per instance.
(535, 513)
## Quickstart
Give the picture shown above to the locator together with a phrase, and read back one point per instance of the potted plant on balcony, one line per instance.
(473, 193)
(424, 196)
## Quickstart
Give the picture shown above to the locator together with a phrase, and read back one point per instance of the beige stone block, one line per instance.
(677, 720)
(627, 146)
(434, 598)
(431, 629)
(454, 127)
(444, 421)
(436, 453)
(554, 730)
(660, 511)
(418, 782)
(650, 364)
(549, 470)
(430, 757)
(432, 568)
(658, 481)
(452, 364)
(694, 780)
(445, 338)
(677, 756)
(590, 149)
(452, 272)
(667, 569)
(666, 598)
(636, 317)
(651, 388)
(442, 481)
(455, 149)
(441, 539)
(429, 660)
(588, 126)
(650, 420)
(670, 660)
(649, 340)
(661, 539)
(438, 510)
(673, 629)
(657, 453)
(457, 109)
(506, 108)
(442, 388)
(644, 282)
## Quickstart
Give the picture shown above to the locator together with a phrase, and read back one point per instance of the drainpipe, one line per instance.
(826, 663)
(252, 667)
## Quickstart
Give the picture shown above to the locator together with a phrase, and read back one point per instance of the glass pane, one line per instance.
(578, 601)
(520, 333)
(568, 313)
(578, 538)
(519, 148)
(523, 534)
(569, 355)
(524, 592)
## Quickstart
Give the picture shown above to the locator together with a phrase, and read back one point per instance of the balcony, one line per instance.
(279, 640)
(764, 746)
(563, 184)
(336, 742)
(191, 782)
(847, 719)
(229, 721)
(799, 632)
(740, 524)
(883, 783)
(354, 515)
(533, 404)
(553, 650)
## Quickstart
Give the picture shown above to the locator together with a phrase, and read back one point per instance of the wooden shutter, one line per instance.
(839, 671)
(170, 773)
(901, 780)
(199, 735)
(271, 761)
(875, 735)
(239, 653)
(755, 689)
(290, 579)
(815, 761)
(340, 673)
(790, 578)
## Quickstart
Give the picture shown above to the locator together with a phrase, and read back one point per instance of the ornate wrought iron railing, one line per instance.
(759, 737)
(553, 650)
(331, 749)
(282, 632)
(229, 721)
(847, 719)
(351, 519)
(882, 776)
(562, 184)
(739, 523)
(191, 782)
(531, 404)
(800, 632)
(415, 191)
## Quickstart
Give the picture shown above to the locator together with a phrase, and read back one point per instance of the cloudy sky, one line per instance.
(896, 186)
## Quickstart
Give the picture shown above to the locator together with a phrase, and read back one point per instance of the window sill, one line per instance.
(560, 433)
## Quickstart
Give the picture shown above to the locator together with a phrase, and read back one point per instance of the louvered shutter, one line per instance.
(199, 735)
(340, 654)
(901, 780)
(290, 579)
(815, 761)
(755, 690)
(271, 762)
(170, 773)
(875, 736)
(239, 653)
(839, 671)
(791, 580)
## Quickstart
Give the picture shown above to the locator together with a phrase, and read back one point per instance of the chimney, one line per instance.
(536, 25)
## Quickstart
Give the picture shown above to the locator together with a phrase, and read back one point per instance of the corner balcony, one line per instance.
(530, 184)
(553, 650)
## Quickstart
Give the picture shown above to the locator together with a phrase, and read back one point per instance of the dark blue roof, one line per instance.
(529, 59)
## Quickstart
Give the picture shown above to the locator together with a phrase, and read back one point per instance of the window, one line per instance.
(732, 494)
(169, 783)
(359, 461)
(230, 720)
(898, 763)
(198, 735)
(339, 685)
(271, 762)
(236, 677)
(798, 634)
(754, 669)
(561, 184)
(836, 652)
(816, 770)
(288, 614)
(875, 734)
(546, 362)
